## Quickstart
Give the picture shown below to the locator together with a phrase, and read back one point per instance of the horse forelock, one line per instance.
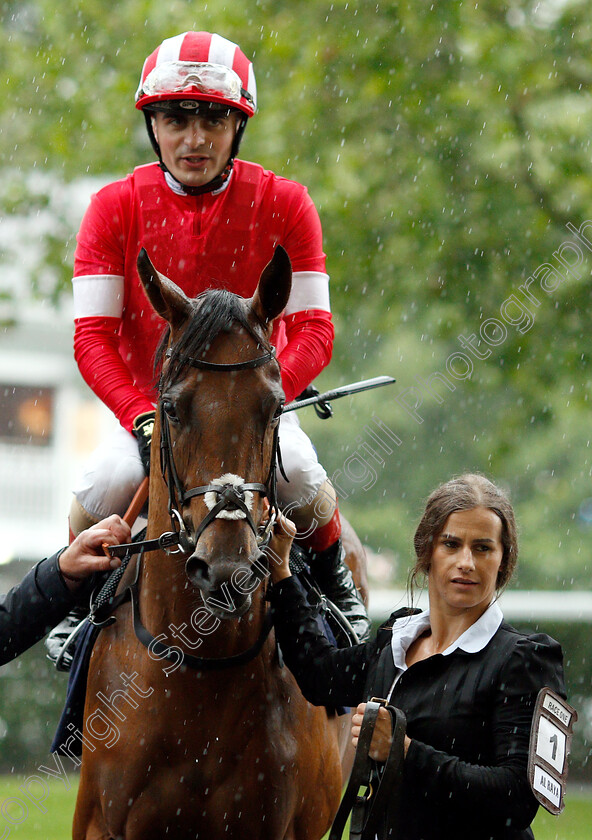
(215, 311)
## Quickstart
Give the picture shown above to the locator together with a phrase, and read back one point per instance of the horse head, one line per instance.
(220, 400)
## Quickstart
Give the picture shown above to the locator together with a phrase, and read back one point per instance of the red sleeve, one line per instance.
(99, 243)
(96, 350)
(310, 344)
(309, 331)
(304, 235)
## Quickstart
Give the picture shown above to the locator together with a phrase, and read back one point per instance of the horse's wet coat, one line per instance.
(207, 754)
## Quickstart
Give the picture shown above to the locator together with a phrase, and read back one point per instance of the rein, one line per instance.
(382, 800)
(230, 497)
(176, 655)
(107, 601)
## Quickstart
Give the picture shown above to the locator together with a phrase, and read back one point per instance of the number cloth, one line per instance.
(469, 713)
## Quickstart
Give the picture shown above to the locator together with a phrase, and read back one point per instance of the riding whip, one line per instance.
(312, 397)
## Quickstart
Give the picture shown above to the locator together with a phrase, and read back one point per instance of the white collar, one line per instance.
(474, 639)
(177, 188)
(173, 184)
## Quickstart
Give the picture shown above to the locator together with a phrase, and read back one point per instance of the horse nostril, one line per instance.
(197, 570)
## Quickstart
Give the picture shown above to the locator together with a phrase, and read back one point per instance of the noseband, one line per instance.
(229, 496)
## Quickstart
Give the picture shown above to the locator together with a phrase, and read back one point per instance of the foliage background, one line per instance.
(446, 145)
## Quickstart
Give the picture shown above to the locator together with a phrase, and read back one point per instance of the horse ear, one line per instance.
(273, 291)
(165, 296)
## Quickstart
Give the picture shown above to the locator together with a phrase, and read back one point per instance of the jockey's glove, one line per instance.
(142, 430)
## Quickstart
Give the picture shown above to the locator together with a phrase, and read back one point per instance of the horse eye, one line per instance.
(170, 410)
(278, 412)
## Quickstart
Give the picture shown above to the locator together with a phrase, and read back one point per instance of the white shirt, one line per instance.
(474, 639)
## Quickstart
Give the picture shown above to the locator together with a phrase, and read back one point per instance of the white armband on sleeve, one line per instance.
(98, 295)
(310, 290)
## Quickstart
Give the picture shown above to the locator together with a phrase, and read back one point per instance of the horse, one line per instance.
(220, 745)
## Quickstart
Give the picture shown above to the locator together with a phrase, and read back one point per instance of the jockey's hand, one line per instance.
(279, 547)
(142, 430)
(382, 737)
(85, 555)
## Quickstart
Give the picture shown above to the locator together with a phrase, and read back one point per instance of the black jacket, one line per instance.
(32, 607)
(468, 715)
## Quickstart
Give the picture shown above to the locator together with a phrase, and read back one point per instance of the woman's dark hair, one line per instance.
(465, 493)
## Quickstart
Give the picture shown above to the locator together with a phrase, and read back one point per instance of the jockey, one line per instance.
(206, 219)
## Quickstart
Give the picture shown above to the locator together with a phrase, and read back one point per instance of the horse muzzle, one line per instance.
(226, 587)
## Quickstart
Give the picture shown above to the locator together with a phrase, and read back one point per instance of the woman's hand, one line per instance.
(86, 556)
(279, 547)
(382, 737)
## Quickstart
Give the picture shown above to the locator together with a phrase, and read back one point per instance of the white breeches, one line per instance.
(114, 471)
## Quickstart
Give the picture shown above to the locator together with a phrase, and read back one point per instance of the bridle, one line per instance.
(229, 497)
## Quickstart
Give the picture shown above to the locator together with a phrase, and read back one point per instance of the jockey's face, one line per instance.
(195, 148)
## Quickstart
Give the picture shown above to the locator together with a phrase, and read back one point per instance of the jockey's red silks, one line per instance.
(220, 240)
(325, 536)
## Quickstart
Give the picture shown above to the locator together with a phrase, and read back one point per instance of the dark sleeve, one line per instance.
(497, 795)
(32, 607)
(327, 676)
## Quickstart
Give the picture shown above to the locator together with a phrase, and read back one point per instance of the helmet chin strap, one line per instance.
(216, 183)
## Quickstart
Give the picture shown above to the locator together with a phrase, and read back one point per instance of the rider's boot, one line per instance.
(319, 525)
(59, 645)
(335, 580)
(59, 649)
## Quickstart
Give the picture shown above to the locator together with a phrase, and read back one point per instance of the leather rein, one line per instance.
(372, 798)
(230, 497)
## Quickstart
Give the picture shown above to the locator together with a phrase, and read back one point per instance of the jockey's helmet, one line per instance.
(193, 68)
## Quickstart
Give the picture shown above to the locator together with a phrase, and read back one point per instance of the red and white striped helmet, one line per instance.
(198, 66)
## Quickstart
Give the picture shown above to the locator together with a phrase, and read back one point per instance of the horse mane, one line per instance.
(214, 311)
